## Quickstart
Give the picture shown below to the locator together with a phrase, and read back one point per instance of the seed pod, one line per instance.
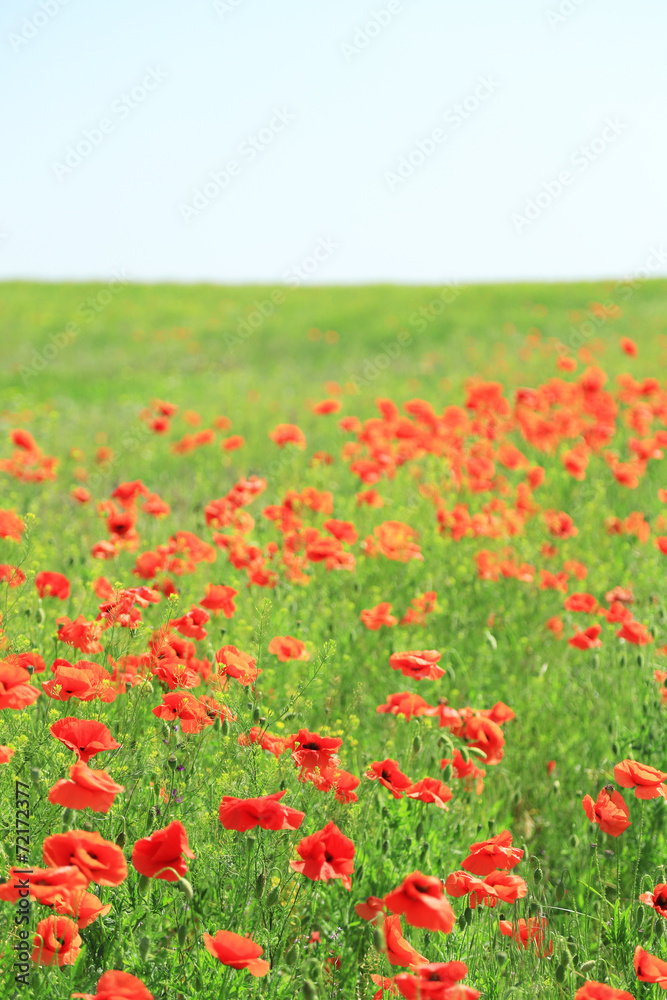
(378, 940)
(292, 955)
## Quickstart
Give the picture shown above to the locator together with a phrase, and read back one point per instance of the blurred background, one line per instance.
(336, 141)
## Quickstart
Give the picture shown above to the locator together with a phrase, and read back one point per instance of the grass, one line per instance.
(584, 709)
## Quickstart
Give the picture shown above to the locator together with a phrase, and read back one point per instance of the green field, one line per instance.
(82, 365)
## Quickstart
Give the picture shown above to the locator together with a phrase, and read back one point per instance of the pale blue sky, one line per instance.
(338, 100)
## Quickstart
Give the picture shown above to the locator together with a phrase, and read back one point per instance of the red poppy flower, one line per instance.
(86, 789)
(657, 899)
(233, 442)
(266, 811)
(283, 434)
(15, 689)
(237, 952)
(14, 576)
(344, 531)
(421, 900)
(81, 634)
(555, 625)
(370, 909)
(98, 859)
(497, 852)
(646, 781)
(592, 990)
(183, 705)
(407, 704)
(56, 942)
(636, 633)
(219, 598)
(375, 618)
(397, 949)
(162, 854)
(52, 585)
(650, 968)
(86, 737)
(241, 666)
(316, 753)
(326, 406)
(114, 985)
(191, 624)
(286, 648)
(461, 884)
(430, 790)
(525, 931)
(386, 987)
(11, 525)
(628, 347)
(506, 887)
(585, 603)
(276, 745)
(610, 811)
(486, 735)
(45, 884)
(588, 639)
(83, 907)
(436, 981)
(389, 774)
(466, 771)
(6, 753)
(326, 854)
(418, 663)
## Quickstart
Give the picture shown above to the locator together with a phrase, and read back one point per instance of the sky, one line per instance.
(333, 141)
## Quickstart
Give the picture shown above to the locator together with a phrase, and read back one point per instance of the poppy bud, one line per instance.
(273, 896)
(416, 744)
(424, 852)
(587, 966)
(466, 918)
(447, 774)
(501, 957)
(35, 775)
(224, 728)
(40, 616)
(385, 847)
(144, 945)
(120, 839)
(640, 916)
(256, 714)
(186, 888)
(292, 955)
(309, 990)
(658, 929)
(419, 829)
(359, 871)
(640, 660)
(249, 844)
(216, 724)
(181, 935)
(537, 876)
(560, 972)
(259, 885)
(144, 884)
(378, 940)
(465, 754)
(68, 816)
(560, 892)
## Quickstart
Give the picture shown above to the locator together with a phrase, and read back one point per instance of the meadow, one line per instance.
(393, 556)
